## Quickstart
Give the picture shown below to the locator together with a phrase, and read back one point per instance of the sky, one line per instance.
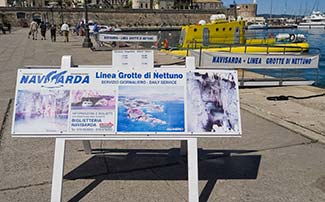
(295, 7)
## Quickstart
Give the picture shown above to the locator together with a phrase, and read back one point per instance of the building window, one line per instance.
(141, 5)
(20, 15)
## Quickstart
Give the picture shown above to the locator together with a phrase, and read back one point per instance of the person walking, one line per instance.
(9, 27)
(43, 31)
(53, 32)
(96, 30)
(33, 30)
(65, 30)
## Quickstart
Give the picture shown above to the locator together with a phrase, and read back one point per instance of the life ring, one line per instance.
(292, 37)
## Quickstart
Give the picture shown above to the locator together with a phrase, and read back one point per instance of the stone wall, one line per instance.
(121, 18)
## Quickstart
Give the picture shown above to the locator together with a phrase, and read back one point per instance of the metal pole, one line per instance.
(87, 41)
(58, 169)
(52, 14)
(271, 10)
(193, 177)
(62, 12)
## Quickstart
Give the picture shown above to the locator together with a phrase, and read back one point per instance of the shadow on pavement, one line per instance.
(150, 164)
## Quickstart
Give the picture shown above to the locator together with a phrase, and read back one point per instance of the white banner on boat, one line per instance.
(254, 61)
(108, 101)
(127, 38)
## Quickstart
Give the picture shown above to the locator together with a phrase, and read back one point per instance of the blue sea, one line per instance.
(173, 115)
(315, 38)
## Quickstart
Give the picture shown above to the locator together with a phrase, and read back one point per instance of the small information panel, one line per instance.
(127, 38)
(112, 102)
(129, 59)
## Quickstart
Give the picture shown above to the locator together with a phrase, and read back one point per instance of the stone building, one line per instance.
(153, 4)
(142, 4)
(165, 4)
(207, 4)
(3, 3)
(246, 10)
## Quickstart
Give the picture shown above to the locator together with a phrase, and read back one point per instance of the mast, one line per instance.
(271, 10)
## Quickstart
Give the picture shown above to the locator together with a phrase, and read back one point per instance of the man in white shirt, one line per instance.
(65, 30)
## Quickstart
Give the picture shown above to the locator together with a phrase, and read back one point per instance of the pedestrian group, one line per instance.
(33, 30)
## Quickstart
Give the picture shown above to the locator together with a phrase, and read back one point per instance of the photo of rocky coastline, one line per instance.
(147, 109)
(212, 102)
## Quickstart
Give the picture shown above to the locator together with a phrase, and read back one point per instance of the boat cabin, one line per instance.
(216, 32)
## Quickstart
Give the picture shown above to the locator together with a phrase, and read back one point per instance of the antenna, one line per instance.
(271, 10)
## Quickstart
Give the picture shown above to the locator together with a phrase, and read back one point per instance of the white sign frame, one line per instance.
(115, 133)
(192, 153)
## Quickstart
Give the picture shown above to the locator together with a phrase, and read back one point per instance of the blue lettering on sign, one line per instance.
(54, 77)
(103, 75)
(167, 75)
(226, 60)
(254, 61)
(275, 61)
(301, 61)
(133, 75)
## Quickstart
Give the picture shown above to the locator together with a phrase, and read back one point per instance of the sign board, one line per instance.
(127, 38)
(129, 59)
(112, 102)
(254, 61)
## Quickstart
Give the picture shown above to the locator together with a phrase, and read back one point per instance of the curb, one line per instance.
(301, 130)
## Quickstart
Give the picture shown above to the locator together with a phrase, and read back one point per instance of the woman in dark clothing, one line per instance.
(53, 32)
(43, 30)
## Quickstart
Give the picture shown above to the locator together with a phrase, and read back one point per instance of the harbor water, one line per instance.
(317, 44)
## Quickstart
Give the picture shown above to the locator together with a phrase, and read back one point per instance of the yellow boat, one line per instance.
(229, 36)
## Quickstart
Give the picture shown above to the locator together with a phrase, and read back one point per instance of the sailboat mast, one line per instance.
(271, 10)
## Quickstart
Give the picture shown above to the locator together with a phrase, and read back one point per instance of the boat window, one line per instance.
(237, 29)
(230, 28)
(223, 29)
(217, 29)
(205, 37)
(195, 29)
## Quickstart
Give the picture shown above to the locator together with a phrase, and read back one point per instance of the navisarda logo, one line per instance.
(54, 79)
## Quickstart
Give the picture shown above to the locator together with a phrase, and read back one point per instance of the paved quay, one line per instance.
(278, 158)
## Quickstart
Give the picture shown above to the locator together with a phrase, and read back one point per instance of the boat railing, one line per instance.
(286, 49)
